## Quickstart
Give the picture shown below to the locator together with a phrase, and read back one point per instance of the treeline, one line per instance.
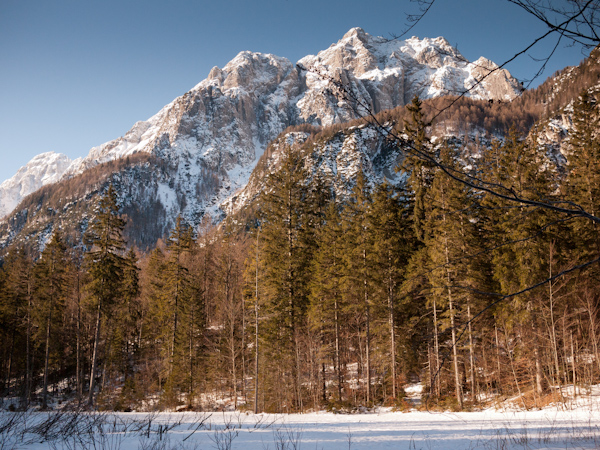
(328, 302)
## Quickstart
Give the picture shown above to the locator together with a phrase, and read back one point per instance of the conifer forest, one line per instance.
(479, 278)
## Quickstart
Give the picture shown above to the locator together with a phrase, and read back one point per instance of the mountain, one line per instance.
(204, 145)
(43, 169)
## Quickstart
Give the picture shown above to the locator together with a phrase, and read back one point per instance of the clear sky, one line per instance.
(75, 74)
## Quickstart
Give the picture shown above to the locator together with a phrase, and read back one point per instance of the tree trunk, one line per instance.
(46, 360)
(437, 372)
(457, 385)
(78, 375)
(367, 326)
(455, 353)
(392, 325)
(95, 355)
(539, 388)
(28, 368)
(573, 366)
(191, 357)
(338, 367)
(471, 357)
(499, 375)
(10, 361)
(256, 350)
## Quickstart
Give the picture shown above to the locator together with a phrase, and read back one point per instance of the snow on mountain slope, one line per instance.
(387, 73)
(209, 140)
(43, 169)
(336, 159)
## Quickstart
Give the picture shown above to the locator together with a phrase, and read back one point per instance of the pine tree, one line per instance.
(285, 266)
(358, 255)
(392, 249)
(156, 327)
(520, 236)
(582, 187)
(583, 181)
(16, 311)
(177, 282)
(418, 163)
(51, 286)
(326, 310)
(252, 297)
(105, 265)
(456, 270)
(230, 306)
(128, 316)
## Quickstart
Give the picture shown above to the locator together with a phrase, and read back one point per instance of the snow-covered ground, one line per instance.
(553, 428)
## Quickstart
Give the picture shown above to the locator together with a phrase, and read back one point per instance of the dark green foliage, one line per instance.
(418, 164)
(105, 261)
(51, 288)
(583, 181)
(105, 264)
(285, 266)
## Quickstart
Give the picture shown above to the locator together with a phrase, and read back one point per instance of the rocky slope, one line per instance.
(208, 141)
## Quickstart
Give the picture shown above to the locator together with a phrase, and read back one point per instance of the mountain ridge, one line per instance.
(210, 139)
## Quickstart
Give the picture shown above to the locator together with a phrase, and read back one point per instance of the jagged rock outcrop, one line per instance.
(382, 74)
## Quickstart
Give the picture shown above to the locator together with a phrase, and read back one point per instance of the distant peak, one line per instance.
(48, 157)
(215, 73)
(357, 33)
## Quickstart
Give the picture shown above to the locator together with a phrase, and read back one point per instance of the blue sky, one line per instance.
(75, 74)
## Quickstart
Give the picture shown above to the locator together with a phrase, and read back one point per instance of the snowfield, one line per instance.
(551, 428)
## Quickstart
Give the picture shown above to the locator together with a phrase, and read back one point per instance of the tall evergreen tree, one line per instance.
(417, 163)
(286, 264)
(129, 316)
(105, 265)
(393, 245)
(177, 282)
(50, 295)
(358, 280)
(327, 308)
(582, 185)
(16, 318)
(452, 246)
(520, 236)
(230, 308)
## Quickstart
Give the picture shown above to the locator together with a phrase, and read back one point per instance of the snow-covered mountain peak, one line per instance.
(427, 67)
(356, 32)
(255, 71)
(45, 168)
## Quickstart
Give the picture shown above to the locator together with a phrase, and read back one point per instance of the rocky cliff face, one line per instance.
(209, 140)
(336, 159)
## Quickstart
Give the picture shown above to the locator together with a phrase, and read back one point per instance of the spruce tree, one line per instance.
(230, 306)
(520, 237)
(105, 265)
(392, 249)
(177, 282)
(51, 286)
(418, 163)
(128, 322)
(359, 274)
(583, 180)
(17, 321)
(156, 327)
(285, 265)
(327, 308)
